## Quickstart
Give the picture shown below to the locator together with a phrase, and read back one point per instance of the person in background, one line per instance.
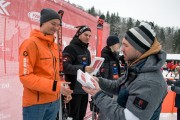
(175, 86)
(110, 68)
(165, 66)
(39, 70)
(169, 66)
(142, 89)
(177, 71)
(77, 56)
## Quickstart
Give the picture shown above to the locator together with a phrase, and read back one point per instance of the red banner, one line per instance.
(17, 19)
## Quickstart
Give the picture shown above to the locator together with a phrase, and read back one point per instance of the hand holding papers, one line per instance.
(96, 64)
(85, 79)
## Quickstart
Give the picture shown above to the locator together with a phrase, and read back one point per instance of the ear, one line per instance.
(138, 53)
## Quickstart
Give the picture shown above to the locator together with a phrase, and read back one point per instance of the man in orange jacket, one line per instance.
(39, 70)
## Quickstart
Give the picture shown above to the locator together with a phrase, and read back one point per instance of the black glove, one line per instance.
(172, 87)
(170, 82)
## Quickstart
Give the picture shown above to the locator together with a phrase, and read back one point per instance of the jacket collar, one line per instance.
(37, 33)
(78, 42)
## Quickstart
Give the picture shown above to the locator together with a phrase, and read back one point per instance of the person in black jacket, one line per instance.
(77, 56)
(175, 86)
(111, 68)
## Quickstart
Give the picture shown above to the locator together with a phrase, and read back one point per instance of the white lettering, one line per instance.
(56, 1)
(34, 16)
(3, 6)
(24, 62)
(1, 44)
(25, 65)
(4, 117)
(4, 85)
(65, 25)
(5, 49)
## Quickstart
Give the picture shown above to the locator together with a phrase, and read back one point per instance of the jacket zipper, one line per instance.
(38, 97)
(54, 64)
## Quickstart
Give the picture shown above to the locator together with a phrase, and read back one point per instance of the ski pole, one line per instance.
(61, 74)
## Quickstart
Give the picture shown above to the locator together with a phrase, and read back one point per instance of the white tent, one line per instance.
(173, 57)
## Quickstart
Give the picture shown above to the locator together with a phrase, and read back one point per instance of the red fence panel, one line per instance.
(17, 19)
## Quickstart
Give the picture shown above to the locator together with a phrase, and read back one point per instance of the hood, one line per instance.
(107, 51)
(151, 63)
(151, 60)
(78, 42)
(42, 36)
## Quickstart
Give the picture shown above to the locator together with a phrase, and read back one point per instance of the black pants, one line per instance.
(78, 106)
(178, 114)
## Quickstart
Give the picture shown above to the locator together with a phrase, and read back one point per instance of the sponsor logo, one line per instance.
(4, 116)
(3, 5)
(65, 25)
(34, 16)
(56, 1)
(5, 49)
(25, 53)
(4, 86)
(1, 44)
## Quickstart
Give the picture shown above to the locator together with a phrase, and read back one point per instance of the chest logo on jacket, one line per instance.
(25, 53)
(140, 103)
(84, 60)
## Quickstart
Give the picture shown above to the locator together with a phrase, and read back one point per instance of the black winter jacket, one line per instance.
(75, 56)
(176, 89)
(110, 68)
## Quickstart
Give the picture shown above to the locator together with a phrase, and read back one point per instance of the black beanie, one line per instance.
(112, 40)
(48, 14)
(82, 29)
(142, 37)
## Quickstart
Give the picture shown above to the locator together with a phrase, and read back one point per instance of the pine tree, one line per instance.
(130, 23)
(168, 37)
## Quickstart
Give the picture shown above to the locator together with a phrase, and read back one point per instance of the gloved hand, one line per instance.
(172, 87)
(170, 82)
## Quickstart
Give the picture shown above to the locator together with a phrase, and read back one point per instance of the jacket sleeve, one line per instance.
(108, 106)
(28, 55)
(110, 86)
(69, 56)
(140, 102)
(176, 89)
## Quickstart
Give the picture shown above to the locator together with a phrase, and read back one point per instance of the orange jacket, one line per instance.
(38, 69)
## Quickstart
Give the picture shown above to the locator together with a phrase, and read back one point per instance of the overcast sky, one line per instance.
(162, 12)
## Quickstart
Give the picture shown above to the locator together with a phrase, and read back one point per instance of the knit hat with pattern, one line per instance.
(142, 37)
(82, 29)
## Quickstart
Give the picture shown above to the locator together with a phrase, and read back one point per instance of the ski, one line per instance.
(61, 74)
(99, 35)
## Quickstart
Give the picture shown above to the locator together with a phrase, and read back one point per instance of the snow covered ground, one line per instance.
(163, 116)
